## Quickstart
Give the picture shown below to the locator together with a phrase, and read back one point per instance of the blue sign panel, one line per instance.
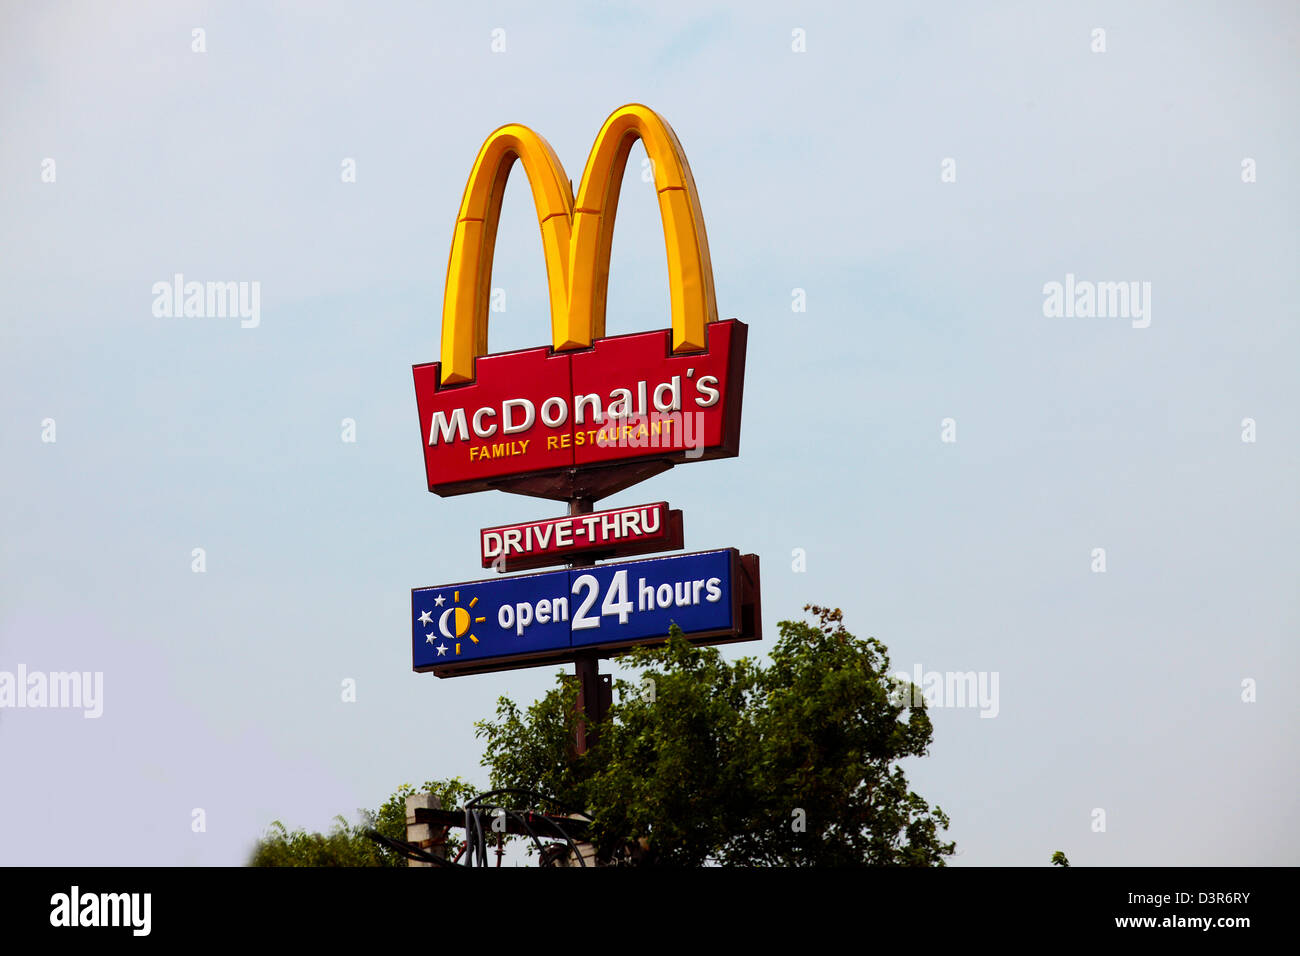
(542, 617)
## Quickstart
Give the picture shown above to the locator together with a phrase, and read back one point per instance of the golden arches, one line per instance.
(576, 239)
(469, 268)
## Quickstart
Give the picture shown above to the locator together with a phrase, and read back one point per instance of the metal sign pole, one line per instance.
(595, 691)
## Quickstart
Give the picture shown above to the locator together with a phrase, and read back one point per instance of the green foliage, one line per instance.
(344, 845)
(1058, 859)
(347, 844)
(705, 761)
(535, 749)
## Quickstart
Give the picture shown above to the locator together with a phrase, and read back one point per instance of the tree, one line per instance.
(705, 761)
(1058, 859)
(347, 844)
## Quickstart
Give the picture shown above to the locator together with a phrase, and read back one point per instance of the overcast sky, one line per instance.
(820, 170)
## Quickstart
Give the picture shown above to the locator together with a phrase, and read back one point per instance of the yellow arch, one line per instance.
(690, 273)
(469, 267)
(576, 239)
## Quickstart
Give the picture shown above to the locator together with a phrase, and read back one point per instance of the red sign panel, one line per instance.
(640, 529)
(582, 423)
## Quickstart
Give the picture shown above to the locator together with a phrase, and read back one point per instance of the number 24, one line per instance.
(615, 602)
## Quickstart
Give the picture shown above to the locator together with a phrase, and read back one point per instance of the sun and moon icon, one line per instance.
(460, 621)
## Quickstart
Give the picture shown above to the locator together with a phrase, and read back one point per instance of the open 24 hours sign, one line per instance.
(537, 619)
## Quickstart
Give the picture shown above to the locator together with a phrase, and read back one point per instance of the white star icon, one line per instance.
(429, 639)
(442, 649)
(425, 618)
(439, 600)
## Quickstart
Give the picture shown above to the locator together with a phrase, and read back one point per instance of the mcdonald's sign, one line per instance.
(589, 414)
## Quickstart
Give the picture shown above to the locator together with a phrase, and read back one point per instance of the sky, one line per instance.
(888, 189)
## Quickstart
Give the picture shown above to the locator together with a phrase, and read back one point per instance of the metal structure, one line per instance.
(559, 840)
